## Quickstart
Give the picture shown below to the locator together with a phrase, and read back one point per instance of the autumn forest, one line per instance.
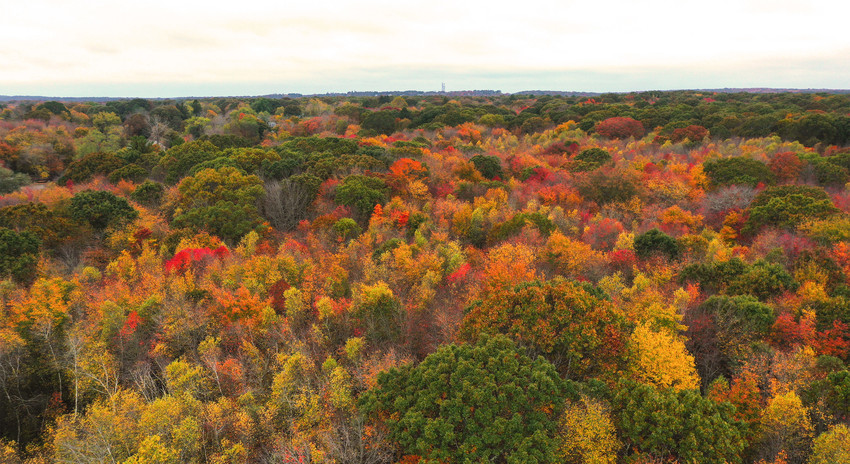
(645, 278)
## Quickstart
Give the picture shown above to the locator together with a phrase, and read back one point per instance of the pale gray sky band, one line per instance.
(194, 48)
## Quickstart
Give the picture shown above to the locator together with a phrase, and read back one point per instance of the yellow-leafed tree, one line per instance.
(661, 359)
(587, 434)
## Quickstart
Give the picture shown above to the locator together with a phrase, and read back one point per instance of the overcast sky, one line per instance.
(159, 48)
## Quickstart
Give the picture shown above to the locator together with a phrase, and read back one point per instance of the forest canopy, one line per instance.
(634, 277)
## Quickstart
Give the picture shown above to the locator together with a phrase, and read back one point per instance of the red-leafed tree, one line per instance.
(694, 133)
(786, 166)
(620, 128)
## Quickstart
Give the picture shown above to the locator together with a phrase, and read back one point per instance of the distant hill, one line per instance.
(770, 90)
(405, 93)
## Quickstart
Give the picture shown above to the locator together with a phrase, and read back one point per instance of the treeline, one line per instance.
(641, 278)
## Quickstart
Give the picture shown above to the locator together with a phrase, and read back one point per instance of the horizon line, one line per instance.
(412, 92)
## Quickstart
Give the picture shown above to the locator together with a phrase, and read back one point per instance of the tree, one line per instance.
(148, 193)
(362, 193)
(744, 394)
(786, 427)
(620, 127)
(108, 432)
(832, 446)
(11, 181)
(90, 165)
(786, 166)
(571, 324)
(54, 107)
(829, 174)
(677, 423)
(587, 434)
(489, 166)
(381, 122)
(286, 202)
(734, 277)
(654, 242)
(18, 254)
(247, 126)
(740, 321)
(606, 186)
(487, 402)
(101, 209)
(210, 186)
(787, 212)
(694, 133)
(737, 170)
(661, 359)
(346, 229)
(222, 201)
(378, 312)
(104, 120)
(177, 161)
(590, 159)
(130, 172)
(137, 125)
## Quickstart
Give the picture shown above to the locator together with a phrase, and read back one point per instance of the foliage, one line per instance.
(781, 208)
(693, 133)
(11, 181)
(362, 193)
(571, 324)
(148, 193)
(587, 433)
(737, 170)
(678, 423)
(101, 209)
(654, 242)
(481, 402)
(832, 446)
(222, 201)
(18, 254)
(590, 159)
(734, 277)
(661, 359)
(177, 161)
(620, 127)
(608, 186)
(90, 165)
(370, 232)
(489, 166)
(786, 427)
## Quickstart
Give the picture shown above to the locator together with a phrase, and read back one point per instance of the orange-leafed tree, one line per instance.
(572, 324)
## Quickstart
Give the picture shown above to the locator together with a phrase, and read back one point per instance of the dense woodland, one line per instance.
(641, 278)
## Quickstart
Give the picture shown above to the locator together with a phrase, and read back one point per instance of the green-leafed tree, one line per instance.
(11, 181)
(18, 254)
(90, 165)
(489, 166)
(222, 201)
(177, 161)
(680, 424)
(487, 402)
(362, 193)
(654, 242)
(590, 159)
(738, 170)
(101, 209)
